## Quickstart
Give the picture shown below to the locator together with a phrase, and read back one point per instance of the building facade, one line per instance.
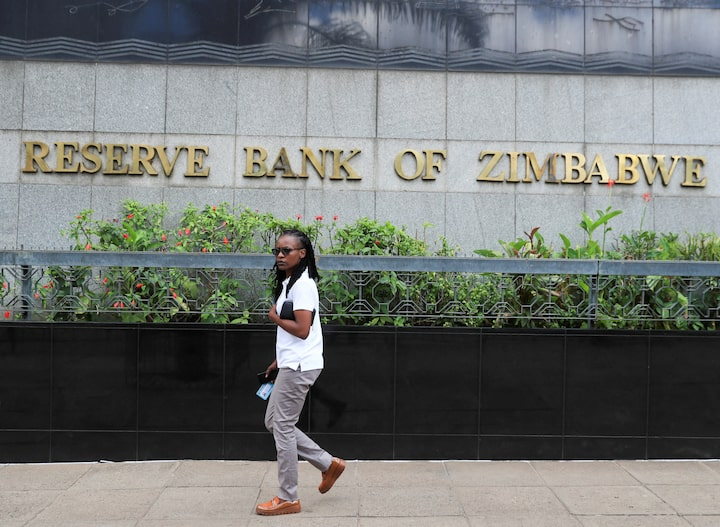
(477, 121)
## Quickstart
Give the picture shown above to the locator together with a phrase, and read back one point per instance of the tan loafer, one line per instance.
(330, 476)
(275, 507)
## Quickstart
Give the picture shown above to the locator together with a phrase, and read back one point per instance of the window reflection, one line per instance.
(513, 35)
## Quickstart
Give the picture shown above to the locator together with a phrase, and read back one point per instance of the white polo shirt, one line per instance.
(293, 352)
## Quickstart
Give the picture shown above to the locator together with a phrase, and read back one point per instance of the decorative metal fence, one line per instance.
(439, 291)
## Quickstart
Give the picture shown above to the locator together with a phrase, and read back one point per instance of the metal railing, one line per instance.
(446, 291)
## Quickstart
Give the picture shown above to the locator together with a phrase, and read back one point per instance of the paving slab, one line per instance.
(187, 493)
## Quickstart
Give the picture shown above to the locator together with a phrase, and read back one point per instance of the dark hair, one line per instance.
(308, 262)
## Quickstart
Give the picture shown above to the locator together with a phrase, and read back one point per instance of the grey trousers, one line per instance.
(283, 411)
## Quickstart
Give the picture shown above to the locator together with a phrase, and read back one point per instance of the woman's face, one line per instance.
(295, 252)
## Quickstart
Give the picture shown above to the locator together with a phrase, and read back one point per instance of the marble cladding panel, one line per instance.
(10, 155)
(481, 107)
(411, 106)
(202, 100)
(272, 101)
(59, 96)
(47, 210)
(12, 76)
(550, 108)
(618, 109)
(9, 209)
(341, 104)
(685, 112)
(480, 220)
(131, 100)
(421, 213)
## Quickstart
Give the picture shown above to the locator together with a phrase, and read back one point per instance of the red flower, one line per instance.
(88, 247)
(204, 249)
(647, 197)
(130, 216)
(214, 207)
(138, 286)
(335, 218)
(163, 238)
(5, 285)
(125, 235)
(377, 242)
(187, 231)
(105, 280)
(36, 295)
(225, 240)
(7, 314)
(611, 183)
(318, 218)
(299, 216)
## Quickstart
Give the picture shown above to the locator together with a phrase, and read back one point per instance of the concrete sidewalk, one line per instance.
(369, 494)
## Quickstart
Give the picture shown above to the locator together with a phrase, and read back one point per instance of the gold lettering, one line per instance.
(513, 177)
(531, 165)
(282, 163)
(485, 174)
(627, 164)
(94, 157)
(651, 172)
(64, 163)
(598, 169)
(419, 164)
(343, 164)
(168, 165)
(319, 166)
(251, 162)
(146, 161)
(693, 178)
(432, 164)
(196, 157)
(114, 160)
(572, 168)
(33, 159)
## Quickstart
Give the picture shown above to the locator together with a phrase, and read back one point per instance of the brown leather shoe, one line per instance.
(330, 476)
(275, 507)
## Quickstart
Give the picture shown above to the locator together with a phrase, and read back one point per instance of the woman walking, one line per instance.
(299, 361)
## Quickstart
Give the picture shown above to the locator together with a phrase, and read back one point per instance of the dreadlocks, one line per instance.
(308, 262)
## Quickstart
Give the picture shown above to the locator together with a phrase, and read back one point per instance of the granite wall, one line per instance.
(381, 113)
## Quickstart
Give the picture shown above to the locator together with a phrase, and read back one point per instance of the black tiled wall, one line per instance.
(90, 392)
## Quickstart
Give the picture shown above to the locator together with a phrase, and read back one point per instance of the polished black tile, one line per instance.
(24, 446)
(95, 377)
(522, 383)
(71, 446)
(438, 375)
(181, 372)
(249, 350)
(606, 392)
(249, 445)
(357, 446)
(685, 385)
(25, 377)
(683, 448)
(605, 448)
(435, 446)
(519, 447)
(355, 392)
(179, 445)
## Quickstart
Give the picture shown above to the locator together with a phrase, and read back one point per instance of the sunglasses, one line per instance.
(285, 250)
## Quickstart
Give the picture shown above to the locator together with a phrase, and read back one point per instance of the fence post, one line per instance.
(26, 292)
